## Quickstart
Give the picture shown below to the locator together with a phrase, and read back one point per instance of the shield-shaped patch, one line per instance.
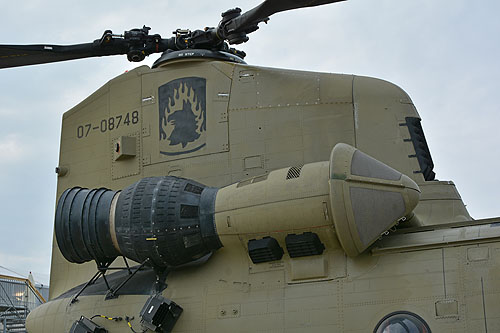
(182, 115)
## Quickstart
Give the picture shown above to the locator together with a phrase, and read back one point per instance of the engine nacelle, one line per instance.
(171, 221)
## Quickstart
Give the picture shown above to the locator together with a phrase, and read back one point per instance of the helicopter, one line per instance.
(355, 39)
(80, 131)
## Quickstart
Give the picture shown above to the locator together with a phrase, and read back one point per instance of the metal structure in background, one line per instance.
(18, 296)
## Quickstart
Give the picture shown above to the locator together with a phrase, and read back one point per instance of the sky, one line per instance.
(444, 54)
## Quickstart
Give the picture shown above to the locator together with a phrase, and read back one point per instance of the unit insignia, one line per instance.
(182, 116)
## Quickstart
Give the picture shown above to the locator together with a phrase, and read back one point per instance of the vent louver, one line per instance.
(294, 172)
(306, 244)
(264, 250)
(422, 152)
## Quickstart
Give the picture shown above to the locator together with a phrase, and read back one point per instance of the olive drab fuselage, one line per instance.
(262, 138)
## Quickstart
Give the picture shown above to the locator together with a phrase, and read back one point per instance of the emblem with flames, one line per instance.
(183, 115)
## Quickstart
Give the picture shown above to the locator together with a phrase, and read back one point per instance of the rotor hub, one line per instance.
(170, 56)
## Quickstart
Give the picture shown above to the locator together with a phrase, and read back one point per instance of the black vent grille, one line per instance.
(193, 188)
(422, 152)
(264, 250)
(189, 211)
(294, 172)
(160, 314)
(306, 244)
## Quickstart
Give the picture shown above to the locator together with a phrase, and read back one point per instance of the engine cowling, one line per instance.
(171, 221)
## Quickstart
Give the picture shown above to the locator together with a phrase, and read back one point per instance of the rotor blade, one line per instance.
(269, 7)
(23, 55)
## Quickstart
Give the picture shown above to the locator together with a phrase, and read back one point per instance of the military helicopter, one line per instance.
(300, 232)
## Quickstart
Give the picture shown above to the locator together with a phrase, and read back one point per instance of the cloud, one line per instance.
(6, 112)
(13, 149)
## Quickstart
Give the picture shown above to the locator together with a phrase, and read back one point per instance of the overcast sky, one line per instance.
(445, 54)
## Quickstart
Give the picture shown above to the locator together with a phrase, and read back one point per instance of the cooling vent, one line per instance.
(193, 188)
(422, 152)
(189, 211)
(160, 314)
(264, 250)
(294, 172)
(306, 244)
